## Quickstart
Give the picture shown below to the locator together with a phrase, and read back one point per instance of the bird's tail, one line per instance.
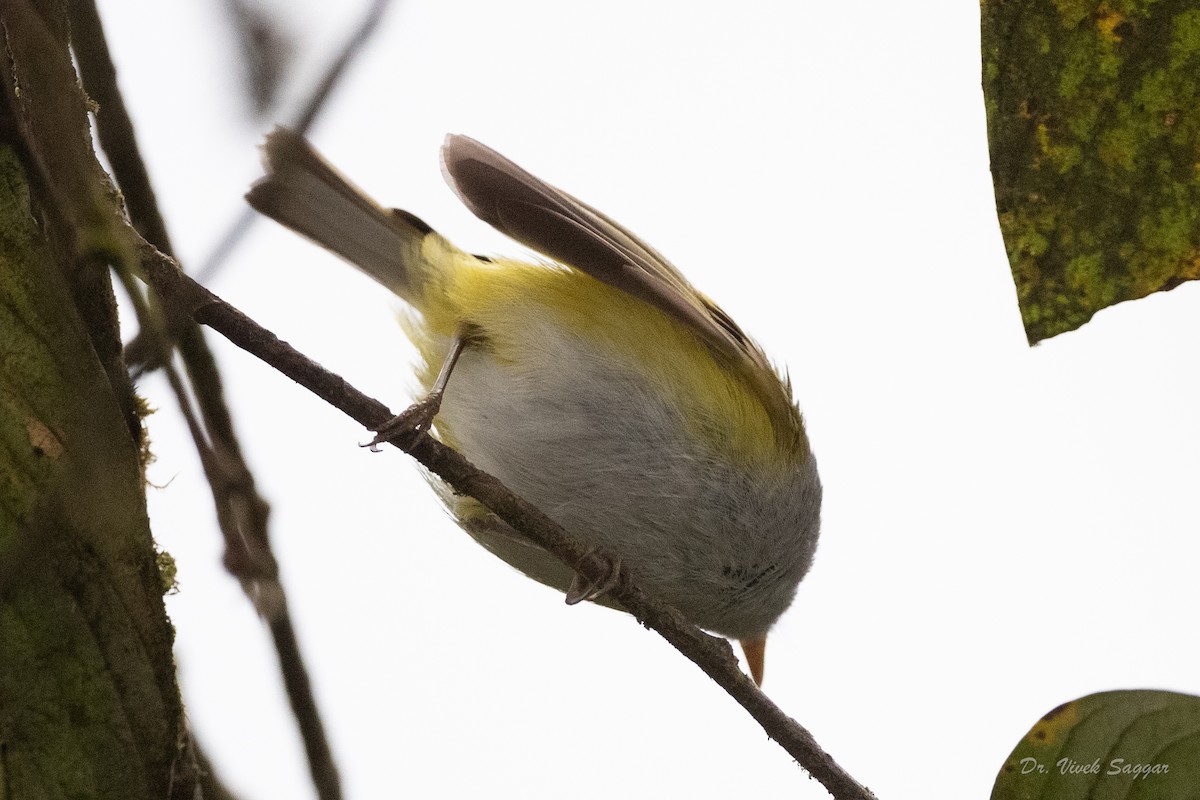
(302, 191)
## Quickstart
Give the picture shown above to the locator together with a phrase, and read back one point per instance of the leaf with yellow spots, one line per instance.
(1123, 745)
(1094, 129)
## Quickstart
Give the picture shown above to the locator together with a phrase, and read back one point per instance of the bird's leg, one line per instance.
(417, 418)
(604, 572)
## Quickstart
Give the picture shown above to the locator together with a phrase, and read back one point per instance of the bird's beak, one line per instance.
(755, 650)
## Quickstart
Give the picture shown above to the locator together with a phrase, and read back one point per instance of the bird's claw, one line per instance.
(412, 423)
(607, 574)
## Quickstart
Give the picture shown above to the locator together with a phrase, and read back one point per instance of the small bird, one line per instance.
(598, 385)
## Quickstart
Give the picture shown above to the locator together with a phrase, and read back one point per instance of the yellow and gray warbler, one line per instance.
(598, 385)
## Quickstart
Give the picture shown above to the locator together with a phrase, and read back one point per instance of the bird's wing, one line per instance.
(552, 222)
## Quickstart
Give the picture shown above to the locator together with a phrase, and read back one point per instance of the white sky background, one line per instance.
(1005, 528)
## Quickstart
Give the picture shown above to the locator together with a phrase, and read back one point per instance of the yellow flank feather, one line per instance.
(500, 296)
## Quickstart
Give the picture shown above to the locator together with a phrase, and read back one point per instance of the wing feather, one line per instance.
(556, 224)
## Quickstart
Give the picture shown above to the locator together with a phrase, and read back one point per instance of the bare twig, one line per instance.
(304, 706)
(308, 115)
(257, 569)
(113, 125)
(252, 564)
(241, 511)
(220, 252)
(337, 69)
(711, 654)
(266, 51)
(141, 352)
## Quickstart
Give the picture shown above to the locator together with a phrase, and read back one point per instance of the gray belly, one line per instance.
(600, 451)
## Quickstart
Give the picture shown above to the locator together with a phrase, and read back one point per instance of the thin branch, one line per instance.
(143, 353)
(113, 125)
(224, 248)
(259, 573)
(245, 558)
(711, 654)
(308, 115)
(337, 69)
(300, 694)
(241, 511)
(266, 51)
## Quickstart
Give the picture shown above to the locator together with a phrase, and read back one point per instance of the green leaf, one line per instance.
(1094, 127)
(1123, 745)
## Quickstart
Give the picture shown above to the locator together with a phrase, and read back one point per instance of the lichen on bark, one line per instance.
(89, 704)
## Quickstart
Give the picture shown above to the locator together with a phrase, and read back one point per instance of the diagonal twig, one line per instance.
(711, 654)
(353, 46)
(308, 115)
(222, 472)
(266, 51)
(241, 510)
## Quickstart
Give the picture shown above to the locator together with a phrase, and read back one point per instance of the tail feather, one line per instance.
(304, 192)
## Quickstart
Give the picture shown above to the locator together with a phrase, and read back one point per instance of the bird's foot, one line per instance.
(595, 574)
(411, 424)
